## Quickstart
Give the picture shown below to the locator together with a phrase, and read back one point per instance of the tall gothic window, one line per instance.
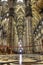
(19, 0)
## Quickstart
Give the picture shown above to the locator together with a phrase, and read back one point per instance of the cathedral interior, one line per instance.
(21, 32)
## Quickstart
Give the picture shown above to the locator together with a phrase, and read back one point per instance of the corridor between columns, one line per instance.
(21, 32)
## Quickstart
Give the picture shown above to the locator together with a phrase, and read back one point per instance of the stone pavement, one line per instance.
(28, 59)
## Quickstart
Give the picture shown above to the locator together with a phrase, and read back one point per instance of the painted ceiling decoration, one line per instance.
(20, 13)
(40, 4)
(35, 12)
(19, 8)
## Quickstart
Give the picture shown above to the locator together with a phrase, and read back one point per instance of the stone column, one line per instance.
(24, 41)
(10, 24)
(0, 26)
(15, 37)
(41, 44)
(29, 34)
(9, 37)
(0, 37)
(38, 46)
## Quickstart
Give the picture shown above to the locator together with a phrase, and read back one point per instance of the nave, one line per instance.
(21, 32)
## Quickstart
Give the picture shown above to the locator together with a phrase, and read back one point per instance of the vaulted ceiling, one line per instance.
(36, 5)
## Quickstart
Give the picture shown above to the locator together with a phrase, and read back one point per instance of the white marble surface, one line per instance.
(26, 58)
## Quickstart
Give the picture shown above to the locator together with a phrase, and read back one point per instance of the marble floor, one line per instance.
(19, 59)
